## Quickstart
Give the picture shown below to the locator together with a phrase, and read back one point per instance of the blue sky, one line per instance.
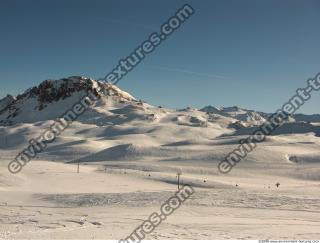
(250, 53)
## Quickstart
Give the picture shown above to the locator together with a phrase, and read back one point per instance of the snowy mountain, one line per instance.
(120, 127)
(50, 98)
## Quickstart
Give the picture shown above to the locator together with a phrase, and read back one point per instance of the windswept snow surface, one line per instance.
(129, 153)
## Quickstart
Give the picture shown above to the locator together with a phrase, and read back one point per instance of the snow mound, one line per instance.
(189, 120)
(211, 109)
(125, 152)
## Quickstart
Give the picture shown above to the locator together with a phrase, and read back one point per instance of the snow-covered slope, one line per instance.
(130, 153)
(6, 101)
